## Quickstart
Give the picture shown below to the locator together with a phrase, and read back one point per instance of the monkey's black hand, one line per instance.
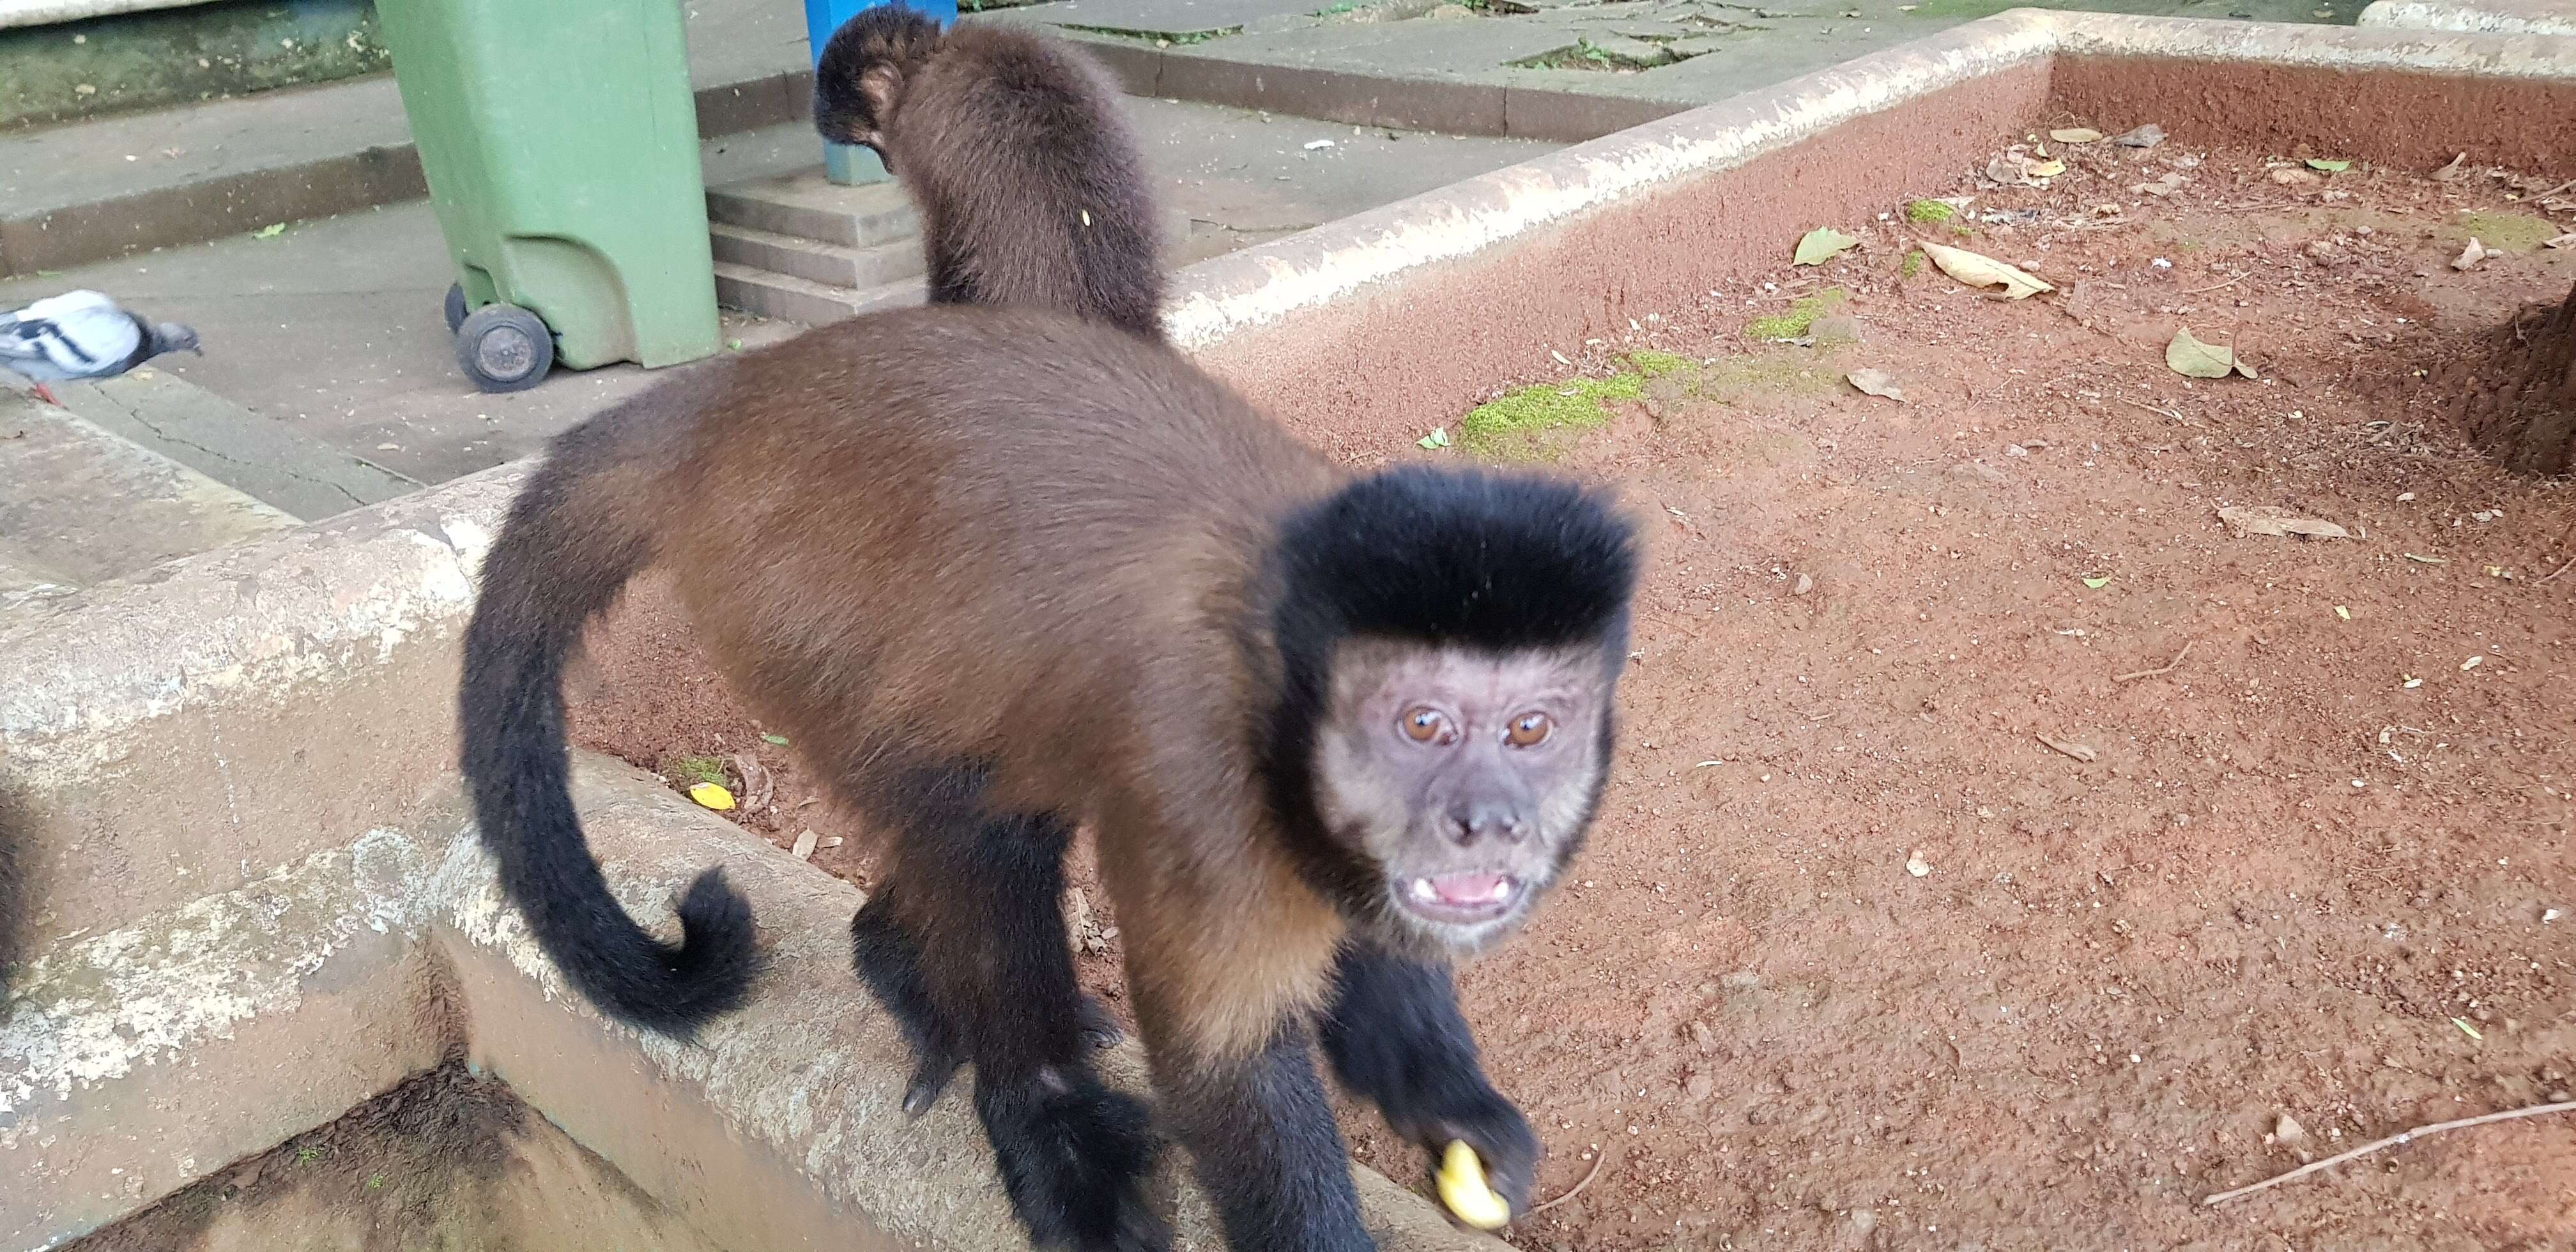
(1495, 1129)
(1395, 1036)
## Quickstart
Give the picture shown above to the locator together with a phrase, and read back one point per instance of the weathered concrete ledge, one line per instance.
(137, 1059)
(2509, 17)
(84, 505)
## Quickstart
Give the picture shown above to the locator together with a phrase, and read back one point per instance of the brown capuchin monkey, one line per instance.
(1029, 185)
(1001, 571)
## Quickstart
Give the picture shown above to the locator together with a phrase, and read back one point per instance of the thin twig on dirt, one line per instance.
(1576, 1189)
(2563, 537)
(2166, 668)
(2165, 413)
(2569, 185)
(2193, 291)
(2396, 1140)
(2076, 750)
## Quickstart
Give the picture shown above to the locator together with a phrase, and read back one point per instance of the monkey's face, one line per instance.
(1466, 778)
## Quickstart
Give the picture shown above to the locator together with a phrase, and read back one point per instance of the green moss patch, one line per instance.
(1930, 210)
(1542, 421)
(1801, 316)
(688, 771)
(2508, 232)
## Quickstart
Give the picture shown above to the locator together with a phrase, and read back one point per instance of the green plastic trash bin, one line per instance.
(560, 140)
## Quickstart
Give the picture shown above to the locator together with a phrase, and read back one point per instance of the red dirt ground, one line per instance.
(2291, 880)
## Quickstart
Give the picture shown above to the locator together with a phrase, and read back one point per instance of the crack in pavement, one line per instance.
(146, 423)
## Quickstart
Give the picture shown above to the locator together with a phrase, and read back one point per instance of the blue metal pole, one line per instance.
(842, 163)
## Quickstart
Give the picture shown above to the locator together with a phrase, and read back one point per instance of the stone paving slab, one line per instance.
(260, 457)
(80, 504)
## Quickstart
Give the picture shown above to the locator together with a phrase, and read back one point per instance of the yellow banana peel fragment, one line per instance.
(713, 796)
(1463, 1189)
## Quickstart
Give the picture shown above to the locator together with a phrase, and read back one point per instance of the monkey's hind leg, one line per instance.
(978, 949)
(888, 960)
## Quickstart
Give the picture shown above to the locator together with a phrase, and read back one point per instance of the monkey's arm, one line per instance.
(1395, 1036)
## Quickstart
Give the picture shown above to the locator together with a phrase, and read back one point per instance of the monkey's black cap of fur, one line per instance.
(1458, 557)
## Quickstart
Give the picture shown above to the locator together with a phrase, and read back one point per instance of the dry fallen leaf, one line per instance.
(2288, 1133)
(2567, 240)
(2146, 136)
(2471, 255)
(1877, 383)
(1823, 244)
(2265, 519)
(2165, 186)
(2076, 134)
(2017, 167)
(2457, 167)
(804, 848)
(2191, 358)
(2293, 176)
(1984, 271)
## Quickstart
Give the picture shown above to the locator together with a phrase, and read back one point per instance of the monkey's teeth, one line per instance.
(1502, 890)
(1424, 892)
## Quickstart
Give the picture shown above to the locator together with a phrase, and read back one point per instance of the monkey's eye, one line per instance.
(1529, 730)
(1423, 724)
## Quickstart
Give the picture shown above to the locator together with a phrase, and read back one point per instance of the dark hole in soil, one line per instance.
(2520, 404)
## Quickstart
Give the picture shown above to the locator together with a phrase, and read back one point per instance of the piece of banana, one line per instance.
(1463, 1189)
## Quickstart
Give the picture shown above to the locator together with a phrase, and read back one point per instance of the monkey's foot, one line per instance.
(46, 394)
(1073, 1156)
(936, 1068)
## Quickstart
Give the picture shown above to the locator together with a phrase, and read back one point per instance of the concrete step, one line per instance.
(808, 206)
(258, 456)
(802, 300)
(79, 505)
(815, 261)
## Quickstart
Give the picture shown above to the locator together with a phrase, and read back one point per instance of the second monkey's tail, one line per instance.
(582, 526)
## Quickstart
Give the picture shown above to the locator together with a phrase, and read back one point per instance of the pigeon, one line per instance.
(83, 335)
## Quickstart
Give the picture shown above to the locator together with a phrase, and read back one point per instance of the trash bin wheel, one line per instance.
(503, 347)
(455, 306)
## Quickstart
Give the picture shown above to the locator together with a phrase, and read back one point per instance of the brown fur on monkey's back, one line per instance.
(972, 532)
(1020, 139)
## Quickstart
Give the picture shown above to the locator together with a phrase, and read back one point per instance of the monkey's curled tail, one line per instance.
(579, 530)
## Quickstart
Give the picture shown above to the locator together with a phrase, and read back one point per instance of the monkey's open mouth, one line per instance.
(1462, 898)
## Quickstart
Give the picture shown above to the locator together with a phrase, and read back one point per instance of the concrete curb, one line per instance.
(1261, 285)
(2511, 17)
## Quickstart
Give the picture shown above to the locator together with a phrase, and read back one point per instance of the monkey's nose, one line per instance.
(1472, 821)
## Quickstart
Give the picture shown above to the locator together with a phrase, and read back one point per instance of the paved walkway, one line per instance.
(333, 328)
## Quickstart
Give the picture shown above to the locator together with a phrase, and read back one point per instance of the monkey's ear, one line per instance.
(879, 84)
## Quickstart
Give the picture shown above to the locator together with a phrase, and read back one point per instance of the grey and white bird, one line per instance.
(83, 335)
